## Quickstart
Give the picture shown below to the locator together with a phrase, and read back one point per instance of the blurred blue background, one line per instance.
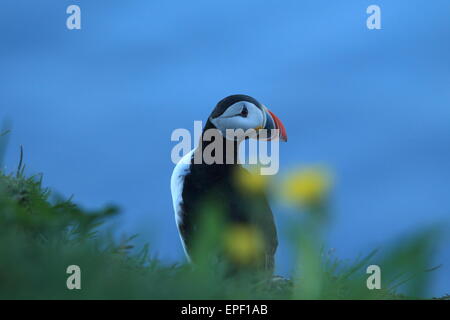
(95, 108)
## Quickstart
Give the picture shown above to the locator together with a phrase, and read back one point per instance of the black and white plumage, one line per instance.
(192, 184)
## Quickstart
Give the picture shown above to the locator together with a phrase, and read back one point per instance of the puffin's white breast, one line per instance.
(176, 185)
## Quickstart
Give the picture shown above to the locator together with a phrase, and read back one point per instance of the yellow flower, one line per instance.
(307, 187)
(243, 244)
(251, 180)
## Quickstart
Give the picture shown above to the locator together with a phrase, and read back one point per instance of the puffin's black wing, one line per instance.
(255, 206)
(218, 185)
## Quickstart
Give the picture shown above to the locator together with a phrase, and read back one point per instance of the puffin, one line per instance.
(195, 183)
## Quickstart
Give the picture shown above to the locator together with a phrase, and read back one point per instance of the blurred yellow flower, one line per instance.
(251, 180)
(243, 244)
(307, 187)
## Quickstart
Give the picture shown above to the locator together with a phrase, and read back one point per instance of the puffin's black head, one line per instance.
(244, 112)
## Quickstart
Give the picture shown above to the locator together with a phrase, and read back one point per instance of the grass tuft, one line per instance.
(41, 235)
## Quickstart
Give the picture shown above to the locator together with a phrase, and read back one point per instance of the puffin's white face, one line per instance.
(240, 115)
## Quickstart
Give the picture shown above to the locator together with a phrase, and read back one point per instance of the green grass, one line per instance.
(41, 235)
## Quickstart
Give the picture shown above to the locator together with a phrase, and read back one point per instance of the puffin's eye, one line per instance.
(244, 112)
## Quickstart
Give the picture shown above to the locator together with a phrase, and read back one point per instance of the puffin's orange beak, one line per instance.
(273, 122)
(278, 125)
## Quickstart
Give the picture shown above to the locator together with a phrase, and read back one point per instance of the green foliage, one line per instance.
(41, 235)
